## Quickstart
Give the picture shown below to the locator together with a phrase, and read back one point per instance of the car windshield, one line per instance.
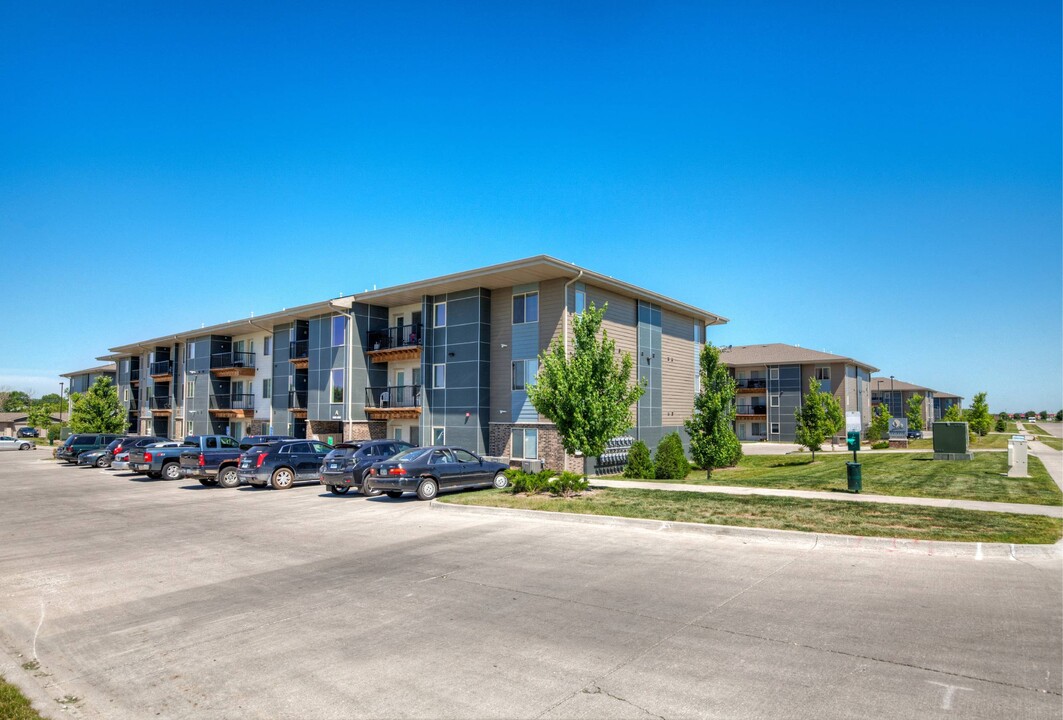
(407, 455)
(113, 444)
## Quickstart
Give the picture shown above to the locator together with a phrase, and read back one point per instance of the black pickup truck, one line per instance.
(166, 462)
(216, 462)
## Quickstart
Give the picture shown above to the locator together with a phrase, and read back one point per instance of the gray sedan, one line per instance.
(9, 443)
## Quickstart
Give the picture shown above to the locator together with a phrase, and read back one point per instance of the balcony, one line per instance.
(161, 369)
(748, 410)
(299, 353)
(160, 403)
(134, 376)
(297, 402)
(394, 402)
(233, 364)
(751, 384)
(235, 405)
(402, 342)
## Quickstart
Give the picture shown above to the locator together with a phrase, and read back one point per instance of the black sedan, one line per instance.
(430, 470)
(347, 465)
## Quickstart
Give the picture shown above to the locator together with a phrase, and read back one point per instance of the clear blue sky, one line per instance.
(880, 180)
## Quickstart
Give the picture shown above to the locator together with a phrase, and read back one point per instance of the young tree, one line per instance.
(1059, 415)
(880, 423)
(978, 417)
(811, 419)
(835, 418)
(953, 414)
(914, 412)
(589, 395)
(1043, 414)
(713, 442)
(98, 409)
(639, 465)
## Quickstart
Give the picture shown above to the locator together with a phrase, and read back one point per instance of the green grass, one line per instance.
(14, 705)
(1038, 430)
(992, 441)
(898, 474)
(826, 516)
(1052, 442)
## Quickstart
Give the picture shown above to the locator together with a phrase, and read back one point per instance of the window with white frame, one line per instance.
(581, 300)
(524, 372)
(190, 351)
(267, 388)
(439, 436)
(336, 385)
(125, 394)
(190, 388)
(775, 401)
(526, 308)
(267, 345)
(440, 314)
(125, 366)
(339, 330)
(525, 444)
(439, 375)
(775, 428)
(773, 373)
(823, 372)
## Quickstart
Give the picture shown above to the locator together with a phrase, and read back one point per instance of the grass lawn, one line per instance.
(827, 516)
(992, 441)
(13, 705)
(901, 474)
(1052, 442)
(1038, 430)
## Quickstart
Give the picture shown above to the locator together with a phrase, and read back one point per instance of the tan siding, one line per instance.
(551, 311)
(501, 357)
(620, 321)
(677, 368)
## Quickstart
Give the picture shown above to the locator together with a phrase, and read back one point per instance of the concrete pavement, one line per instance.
(170, 600)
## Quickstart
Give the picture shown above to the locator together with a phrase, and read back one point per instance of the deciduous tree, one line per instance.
(812, 419)
(16, 401)
(880, 423)
(713, 442)
(978, 415)
(98, 410)
(914, 412)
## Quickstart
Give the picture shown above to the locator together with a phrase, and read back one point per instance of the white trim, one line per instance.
(435, 314)
(435, 376)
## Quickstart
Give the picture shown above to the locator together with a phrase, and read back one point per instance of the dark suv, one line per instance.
(251, 440)
(347, 465)
(281, 464)
(81, 442)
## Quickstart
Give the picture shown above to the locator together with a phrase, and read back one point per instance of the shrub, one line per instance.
(53, 434)
(671, 462)
(1000, 425)
(531, 483)
(567, 484)
(880, 445)
(639, 464)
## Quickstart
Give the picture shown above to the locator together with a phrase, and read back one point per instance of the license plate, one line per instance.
(333, 466)
(245, 465)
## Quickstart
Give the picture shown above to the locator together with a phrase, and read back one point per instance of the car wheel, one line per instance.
(394, 494)
(339, 489)
(24, 446)
(207, 482)
(282, 479)
(427, 490)
(366, 489)
(501, 481)
(171, 471)
(101, 462)
(228, 478)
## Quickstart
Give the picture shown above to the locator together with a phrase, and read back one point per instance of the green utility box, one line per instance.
(952, 441)
(852, 474)
(852, 440)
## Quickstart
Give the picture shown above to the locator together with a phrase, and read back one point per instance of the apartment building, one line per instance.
(895, 394)
(773, 378)
(78, 381)
(442, 360)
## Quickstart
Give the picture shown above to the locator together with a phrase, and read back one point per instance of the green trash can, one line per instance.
(852, 473)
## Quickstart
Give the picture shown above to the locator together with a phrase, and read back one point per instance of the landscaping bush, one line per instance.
(1000, 425)
(531, 483)
(880, 445)
(639, 464)
(671, 462)
(53, 434)
(567, 484)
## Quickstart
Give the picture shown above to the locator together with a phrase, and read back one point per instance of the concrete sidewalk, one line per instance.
(1018, 508)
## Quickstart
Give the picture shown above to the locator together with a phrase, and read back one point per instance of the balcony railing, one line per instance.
(396, 337)
(234, 401)
(297, 399)
(161, 367)
(134, 402)
(134, 375)
(752, 383)
(752, 409)
(160, 402)
(393, 396)
(233, 359)
(298, 349)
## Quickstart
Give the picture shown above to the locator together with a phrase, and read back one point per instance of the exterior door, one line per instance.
(398, 398)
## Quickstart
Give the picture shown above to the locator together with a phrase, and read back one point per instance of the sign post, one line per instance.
(853, 424)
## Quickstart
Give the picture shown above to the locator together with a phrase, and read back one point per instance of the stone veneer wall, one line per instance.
(550, 449)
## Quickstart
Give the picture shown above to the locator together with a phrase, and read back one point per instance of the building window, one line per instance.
(581, 300)
(524, 372)
(439, 376)
(440, 314)
(756, 429)
(267, 387)
(125, 394)
(525, 444)
(339, 330)
(526, 308)
(190, 389)
(125, 366)
(775, 428)
(267, 345)
(697, 333)
(773, 373)
(337, 385)
(823, 373)
(775, 401)
(438, 436)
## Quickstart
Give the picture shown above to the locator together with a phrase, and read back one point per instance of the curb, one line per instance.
(795, 538)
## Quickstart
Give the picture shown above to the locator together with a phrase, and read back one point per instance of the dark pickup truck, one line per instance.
(216, 462)
(166, 462)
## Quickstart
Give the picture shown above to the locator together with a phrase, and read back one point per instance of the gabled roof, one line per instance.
(781, 354)
(109, 367)
(880, 384)
(14, 417)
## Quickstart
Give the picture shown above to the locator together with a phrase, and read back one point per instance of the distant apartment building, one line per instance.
(79, 381)
(895, 394)
(773, 378)
(443, 360)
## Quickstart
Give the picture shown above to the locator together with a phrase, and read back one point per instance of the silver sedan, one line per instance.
(9, 443)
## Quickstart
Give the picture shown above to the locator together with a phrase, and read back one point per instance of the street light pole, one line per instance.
(891, 396)
(61, 404)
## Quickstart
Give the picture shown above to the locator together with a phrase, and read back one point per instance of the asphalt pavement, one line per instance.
(133, 598)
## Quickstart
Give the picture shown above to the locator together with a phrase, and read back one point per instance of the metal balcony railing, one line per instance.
(396, 337)
(234, 359)
(134, 375)
(161, 367)
(298, 349)
(160, 402)
(234, 401)
(297, 399)
(393, 396)
(752, 409)
(752, 383)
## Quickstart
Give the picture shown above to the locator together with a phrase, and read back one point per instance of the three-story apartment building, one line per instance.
(443, 360)
(896, 394)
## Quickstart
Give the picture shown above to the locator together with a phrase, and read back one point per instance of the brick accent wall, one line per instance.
(321, 429)
(551, 452)
(369, 430)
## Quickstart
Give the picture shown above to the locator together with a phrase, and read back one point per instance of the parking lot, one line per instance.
(147, 598)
